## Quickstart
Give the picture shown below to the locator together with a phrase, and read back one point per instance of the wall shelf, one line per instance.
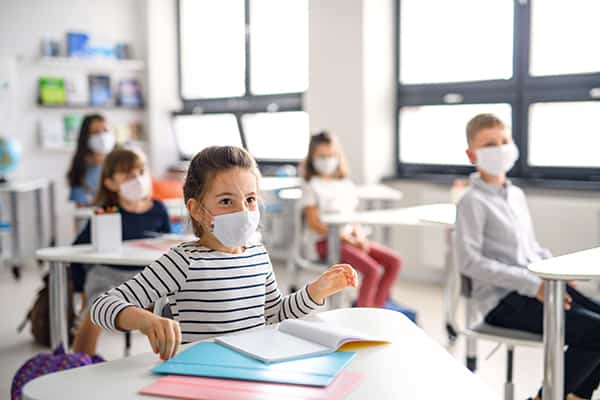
(89, 64)
(89, 107)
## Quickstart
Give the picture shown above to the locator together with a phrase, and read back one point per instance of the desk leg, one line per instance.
(15, 228)
(451, 288)
(554, 339)
(333, 257)
(57, 286)
(38, 193)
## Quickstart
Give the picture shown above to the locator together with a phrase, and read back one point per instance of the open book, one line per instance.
(293, 339)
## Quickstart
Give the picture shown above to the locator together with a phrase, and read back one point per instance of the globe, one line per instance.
(10, 155)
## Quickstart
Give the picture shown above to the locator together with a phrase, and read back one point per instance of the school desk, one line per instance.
(413, 367)
(59, 257)
(583, 265)
(443, 215)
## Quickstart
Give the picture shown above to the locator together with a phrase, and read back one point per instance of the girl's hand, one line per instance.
(163, 334)
(335, 279)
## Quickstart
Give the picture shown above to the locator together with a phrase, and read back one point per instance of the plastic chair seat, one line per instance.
(503, 335)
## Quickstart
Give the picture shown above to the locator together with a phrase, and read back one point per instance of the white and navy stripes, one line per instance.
(210, 293)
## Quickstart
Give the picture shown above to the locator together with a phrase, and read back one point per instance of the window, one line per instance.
(212, 48)
(279, 46)
(561, 37)
(193, 133)
(450, 45)
(247, 60)
(532, 62)
(436, 134)
(280, 136)
(564, 134)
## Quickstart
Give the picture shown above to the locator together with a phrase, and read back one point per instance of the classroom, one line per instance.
(299, 199)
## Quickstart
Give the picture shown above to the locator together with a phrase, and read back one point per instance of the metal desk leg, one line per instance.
(554, 339)
(57, 286)
(451, 288)
(38, 193)
(333, 257)
(14, 221)
(52, 205)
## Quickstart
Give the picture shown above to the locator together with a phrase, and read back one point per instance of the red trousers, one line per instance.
(379, 268)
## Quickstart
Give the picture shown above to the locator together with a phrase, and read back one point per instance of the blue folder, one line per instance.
(216, 361)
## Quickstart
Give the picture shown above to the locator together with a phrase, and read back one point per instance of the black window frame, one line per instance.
(519, 91)
(248, 103)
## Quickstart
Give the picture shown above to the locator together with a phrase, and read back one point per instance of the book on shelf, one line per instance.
(100, 90)
(130, 93)
(51, 90)
(77, 90)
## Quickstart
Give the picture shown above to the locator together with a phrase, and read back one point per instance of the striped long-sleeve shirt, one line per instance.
(210, 293)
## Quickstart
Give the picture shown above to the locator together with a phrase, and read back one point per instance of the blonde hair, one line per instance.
(482, 121)
(323, 137)
(205, 166)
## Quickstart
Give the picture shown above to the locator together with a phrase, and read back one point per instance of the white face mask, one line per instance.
(135, 189)
(325, 165)
(497, 160)
(235, 229)
(102, 142)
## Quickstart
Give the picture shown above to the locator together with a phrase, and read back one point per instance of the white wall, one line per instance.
(23, 24)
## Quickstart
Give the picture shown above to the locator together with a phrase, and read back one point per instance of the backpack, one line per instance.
(39, 314)
(43, 364)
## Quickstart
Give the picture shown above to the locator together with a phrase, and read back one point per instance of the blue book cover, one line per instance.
(216, 361)
(100, 90)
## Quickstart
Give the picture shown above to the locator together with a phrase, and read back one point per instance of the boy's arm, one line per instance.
(470, 222)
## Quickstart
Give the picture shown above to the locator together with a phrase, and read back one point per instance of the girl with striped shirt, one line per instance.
(221, 283)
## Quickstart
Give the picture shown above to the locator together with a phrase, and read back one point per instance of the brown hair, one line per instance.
(76, 173)
(482, 121)
(118, 160)
(206, 165)
(323, 137)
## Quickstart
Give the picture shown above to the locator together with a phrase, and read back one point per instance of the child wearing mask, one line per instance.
(328, 190)
(125, 184)
(95, 141)
(494, 244)
(221, 283)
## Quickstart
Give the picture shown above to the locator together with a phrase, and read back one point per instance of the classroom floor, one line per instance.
(16, 298)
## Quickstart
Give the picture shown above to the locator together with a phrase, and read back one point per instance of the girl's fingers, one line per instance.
(177, 331)
(160, 341)
(152, 339)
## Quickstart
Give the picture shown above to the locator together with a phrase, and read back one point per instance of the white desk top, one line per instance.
(413, 367)
(377, 191)
(365, 192)
(271, 183)
(24, 185)
(437, 214)
(582, 265)
(129, 255)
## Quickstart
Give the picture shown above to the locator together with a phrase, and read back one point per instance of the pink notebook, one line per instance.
(197, 388)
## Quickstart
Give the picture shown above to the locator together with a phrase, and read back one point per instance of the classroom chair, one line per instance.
(297, 260)
(480, 330)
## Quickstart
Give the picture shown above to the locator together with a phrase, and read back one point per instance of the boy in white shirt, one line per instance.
(494, 244)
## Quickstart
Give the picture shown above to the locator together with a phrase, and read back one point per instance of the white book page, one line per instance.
(328, 335)
(270, 344)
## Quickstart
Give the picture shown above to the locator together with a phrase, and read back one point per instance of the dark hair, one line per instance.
(323, 137)
(119, 160)
(76, 172)
(480, 122)
(206, 165)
